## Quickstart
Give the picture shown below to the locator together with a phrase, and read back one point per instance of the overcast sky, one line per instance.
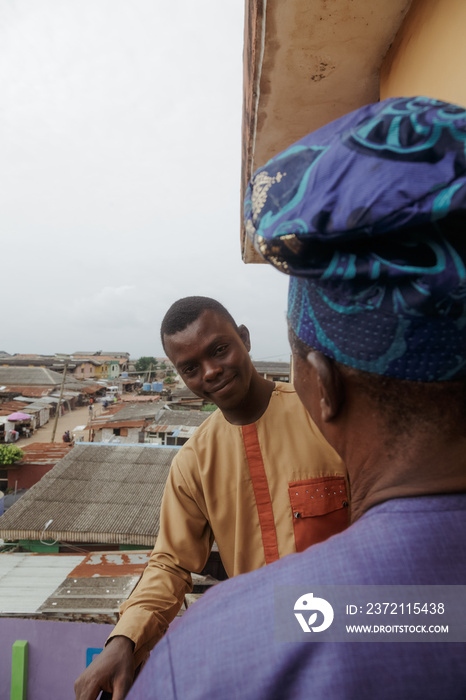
(120, 151)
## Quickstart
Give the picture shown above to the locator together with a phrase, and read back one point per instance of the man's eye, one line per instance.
(220, 349)
(189, 370)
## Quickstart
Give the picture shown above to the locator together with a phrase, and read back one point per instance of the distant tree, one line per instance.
(209, 407)
(144, 363)
(163, 365)
(9, 454)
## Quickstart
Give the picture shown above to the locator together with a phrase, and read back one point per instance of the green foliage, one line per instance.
(209, 407)
(9, 454)
(144, 363)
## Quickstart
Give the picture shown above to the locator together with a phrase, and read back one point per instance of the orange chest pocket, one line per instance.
(320, 509)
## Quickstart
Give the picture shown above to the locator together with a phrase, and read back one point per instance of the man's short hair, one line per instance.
(185, 311)
(408, 407)
(404, 404)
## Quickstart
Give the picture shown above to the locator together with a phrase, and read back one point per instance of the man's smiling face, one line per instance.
(212, 358)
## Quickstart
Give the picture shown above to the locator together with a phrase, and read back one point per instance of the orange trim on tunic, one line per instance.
(261, 492)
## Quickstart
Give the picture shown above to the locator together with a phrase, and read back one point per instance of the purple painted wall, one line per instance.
(57, 654)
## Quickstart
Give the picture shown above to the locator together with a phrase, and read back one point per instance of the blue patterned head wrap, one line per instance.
(368, 216)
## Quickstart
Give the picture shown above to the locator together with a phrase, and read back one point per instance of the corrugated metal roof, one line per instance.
(179, 418)
(100, 420)
(36, 407)
(59, 586)
(174, 430)
(90, 389)
(26, 581)
(100, 597)
(43, 399)
(14, 405)
(29, 376)
(106, 357)
(48, 363)
(27, 391)
(89, 360)
(43, 453)
(97, 493)
(136, 411)
(112, 564)
(186, 400)
(272, 367)
(75, 587)
(121, 424)
(184, 393)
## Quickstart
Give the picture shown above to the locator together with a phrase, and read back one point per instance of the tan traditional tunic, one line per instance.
(262, 491)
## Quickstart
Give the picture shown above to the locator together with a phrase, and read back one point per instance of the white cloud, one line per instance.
(120, 134)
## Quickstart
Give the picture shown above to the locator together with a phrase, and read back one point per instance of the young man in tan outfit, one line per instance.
(257, 476)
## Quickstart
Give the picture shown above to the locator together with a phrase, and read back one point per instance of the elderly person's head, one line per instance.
(368, 217)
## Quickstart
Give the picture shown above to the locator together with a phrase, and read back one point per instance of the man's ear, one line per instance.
(330, 385)
(244, 335)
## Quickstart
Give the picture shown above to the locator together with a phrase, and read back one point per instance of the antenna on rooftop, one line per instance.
(66, 360)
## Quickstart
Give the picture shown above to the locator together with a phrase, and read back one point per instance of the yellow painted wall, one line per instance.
(428, 56)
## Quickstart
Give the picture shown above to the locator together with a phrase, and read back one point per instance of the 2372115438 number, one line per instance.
(404, 609)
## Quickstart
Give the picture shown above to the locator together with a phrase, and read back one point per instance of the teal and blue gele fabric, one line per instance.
(368, 216)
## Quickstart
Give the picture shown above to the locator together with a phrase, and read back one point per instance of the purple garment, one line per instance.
(224, 647)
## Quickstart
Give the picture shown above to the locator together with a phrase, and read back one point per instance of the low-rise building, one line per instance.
(110, 365)
(173, 427)
(39, 458)
(98, 494)
(274, 371)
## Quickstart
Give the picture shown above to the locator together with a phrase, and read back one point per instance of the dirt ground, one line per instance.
(67, 422)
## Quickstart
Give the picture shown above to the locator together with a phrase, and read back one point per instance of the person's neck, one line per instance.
(403, 467)
(254, 405)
